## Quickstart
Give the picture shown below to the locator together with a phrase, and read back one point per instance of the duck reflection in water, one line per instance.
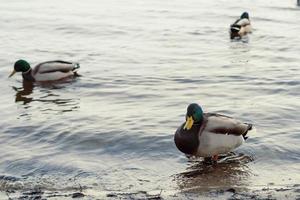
(23, 92)
(45, 96)
(230, 172)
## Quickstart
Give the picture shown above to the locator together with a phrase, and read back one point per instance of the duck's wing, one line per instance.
(222, 124)
(55, 66)
(243, 22)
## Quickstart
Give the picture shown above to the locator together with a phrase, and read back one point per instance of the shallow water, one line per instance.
(110, 132)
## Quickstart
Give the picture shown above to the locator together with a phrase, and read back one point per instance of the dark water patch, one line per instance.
(136, 195)
(287, 82)
(192, 80)
(138, 97)
(19, 131)
(197, 32)
(185, 80)
(70, 29)
(92, 84)
(235, 78)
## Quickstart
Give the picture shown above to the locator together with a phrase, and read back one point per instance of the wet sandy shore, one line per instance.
(269, 192)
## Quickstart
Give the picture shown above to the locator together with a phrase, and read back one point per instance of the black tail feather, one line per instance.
(249, 128)
(76, 66)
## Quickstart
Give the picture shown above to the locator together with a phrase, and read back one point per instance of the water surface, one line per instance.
(110, 132)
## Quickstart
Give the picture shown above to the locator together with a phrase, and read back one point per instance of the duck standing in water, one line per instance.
(209, 134)
(46, 71)
(240, 27)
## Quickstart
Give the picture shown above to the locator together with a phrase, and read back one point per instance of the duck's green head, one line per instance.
(20, 66)
(194, 115)
(245, 15)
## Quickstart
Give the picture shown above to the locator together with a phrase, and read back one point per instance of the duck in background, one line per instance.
(46, 71)
(209, 134)
(240, 27)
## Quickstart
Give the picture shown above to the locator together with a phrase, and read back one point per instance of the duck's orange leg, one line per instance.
(215, 158)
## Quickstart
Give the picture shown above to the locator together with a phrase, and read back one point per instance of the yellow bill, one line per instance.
(13, 72)
(189, 123)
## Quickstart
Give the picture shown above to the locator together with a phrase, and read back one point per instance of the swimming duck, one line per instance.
(209, 134)
(46, 71)
(240, 27)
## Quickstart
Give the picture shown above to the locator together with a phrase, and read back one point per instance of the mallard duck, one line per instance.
(46, 71)
(240, 27)
(209, 134)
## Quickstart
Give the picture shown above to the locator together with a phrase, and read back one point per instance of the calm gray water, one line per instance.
(109, 133)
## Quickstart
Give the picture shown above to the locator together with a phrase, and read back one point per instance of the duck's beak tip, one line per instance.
(12, 73)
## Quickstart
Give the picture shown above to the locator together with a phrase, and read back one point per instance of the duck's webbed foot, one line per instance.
(211, 160)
